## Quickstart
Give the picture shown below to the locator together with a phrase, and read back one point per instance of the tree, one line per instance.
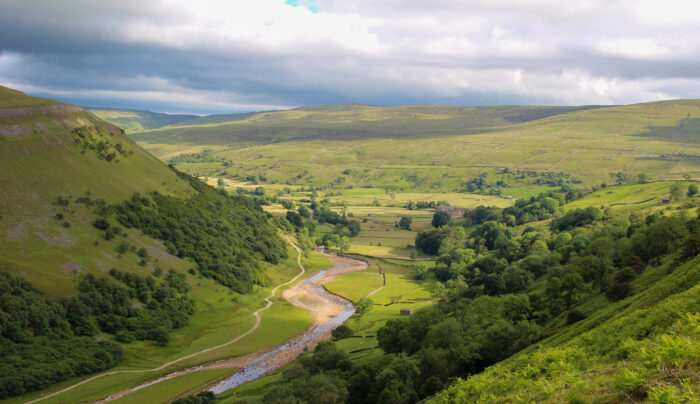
(294, 218)
(692, 190)
(364, 305)
(220, 183)
(643, 178)
(344, 244)
(675, 191)
(421, 272)
(405, 222)
(304, 212)
(441, 219)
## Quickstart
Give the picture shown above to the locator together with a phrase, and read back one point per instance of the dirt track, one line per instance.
(307, 294)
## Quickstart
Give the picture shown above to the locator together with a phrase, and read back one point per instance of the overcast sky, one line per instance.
(209, 56)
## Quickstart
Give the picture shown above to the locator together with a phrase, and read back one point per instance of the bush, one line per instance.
(341, 332)
(574, 316)
(618, 291)
(101, 223)
(162, 336)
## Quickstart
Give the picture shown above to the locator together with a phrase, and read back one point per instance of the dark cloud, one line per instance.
(179, 56)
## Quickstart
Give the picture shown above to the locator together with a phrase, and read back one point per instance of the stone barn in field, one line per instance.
(452, 210)
(405, 312)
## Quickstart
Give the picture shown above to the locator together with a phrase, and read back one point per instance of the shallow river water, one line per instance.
(269, 361)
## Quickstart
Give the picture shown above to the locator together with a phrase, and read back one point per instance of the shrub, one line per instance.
(162, 336)
(618, 291)
(574, 316)
(101, 223)
(625, 275)
(341, 332)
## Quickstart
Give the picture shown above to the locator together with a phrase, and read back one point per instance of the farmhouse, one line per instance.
(452, 210)
(405, 312)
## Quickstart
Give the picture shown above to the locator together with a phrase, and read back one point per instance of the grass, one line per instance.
(353, 286)
(643, 347)
(438, 154)
(356, 285)
(216, 326)
(171, 389)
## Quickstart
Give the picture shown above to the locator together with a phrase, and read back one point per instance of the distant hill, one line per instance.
(438, 148)
(137, 120)
(345, 122)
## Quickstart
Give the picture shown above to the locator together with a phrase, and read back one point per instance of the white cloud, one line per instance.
(268, 53)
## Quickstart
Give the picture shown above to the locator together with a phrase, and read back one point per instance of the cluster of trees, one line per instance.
(95, 139)
(502, 286)
(226, 235)
(205, 156)
(165, 305)
(678, 190)
(540, 207)
(43, 342)
(425, 204)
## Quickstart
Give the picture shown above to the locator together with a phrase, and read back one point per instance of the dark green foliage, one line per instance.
(165, 305)
(662, 236)
(96, 139)
(44, 342)
(429, 240)
(618, 291)
(304, 212)
(206, 156)
(576, 218)
(540, 207)
(692, 190)
(101, 223)
(294, 218)
(574, 316)
(227, 236)
(441, 219)
(341, 332)
(204, 397)
(405, 222)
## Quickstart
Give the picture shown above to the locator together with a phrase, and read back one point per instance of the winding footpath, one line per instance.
(165, 365)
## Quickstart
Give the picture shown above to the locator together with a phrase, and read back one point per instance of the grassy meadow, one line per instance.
(381, 147)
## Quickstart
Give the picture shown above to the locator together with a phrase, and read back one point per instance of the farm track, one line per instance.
(235, 362)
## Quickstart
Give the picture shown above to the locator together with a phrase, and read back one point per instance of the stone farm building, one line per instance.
(452, 210)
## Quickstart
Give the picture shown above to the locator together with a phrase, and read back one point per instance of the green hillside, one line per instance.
(103, 246)
(136, 120)
(440, 148)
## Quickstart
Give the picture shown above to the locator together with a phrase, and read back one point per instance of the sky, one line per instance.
(209, 56)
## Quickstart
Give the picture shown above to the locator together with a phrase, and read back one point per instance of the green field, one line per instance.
(437, 154)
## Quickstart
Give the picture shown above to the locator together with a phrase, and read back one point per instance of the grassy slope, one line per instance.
(644, 347)
(40, 167)
(442, 146)
(136, 120)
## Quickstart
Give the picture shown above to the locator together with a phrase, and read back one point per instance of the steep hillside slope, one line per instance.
(107, 254)
(137, 120)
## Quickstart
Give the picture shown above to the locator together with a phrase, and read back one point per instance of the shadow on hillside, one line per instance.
(687, 131)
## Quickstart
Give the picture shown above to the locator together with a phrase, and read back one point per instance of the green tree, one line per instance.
(441, 219)
(675, 191)
(692, 190)
(364, 305)
(643, 178)
(405, 222)
(220, 183)
(344, 244)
